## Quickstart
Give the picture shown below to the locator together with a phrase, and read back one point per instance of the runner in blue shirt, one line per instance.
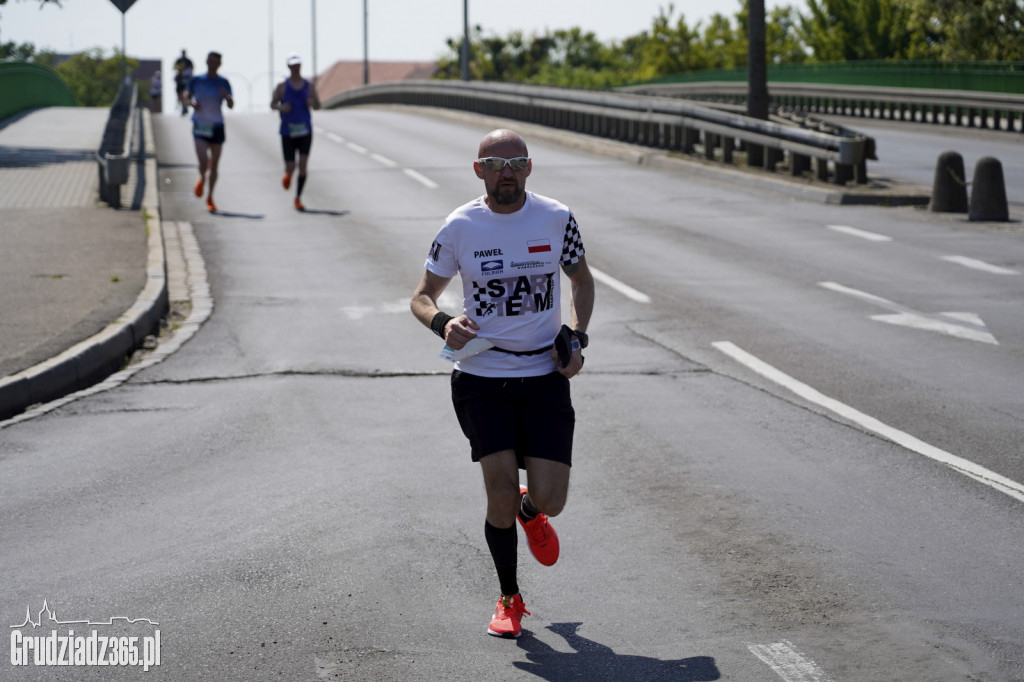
(294, 97)
(205, 94)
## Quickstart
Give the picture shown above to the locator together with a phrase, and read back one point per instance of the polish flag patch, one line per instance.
(539, 245)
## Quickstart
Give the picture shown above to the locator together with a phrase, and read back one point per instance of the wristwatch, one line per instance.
(583, 338)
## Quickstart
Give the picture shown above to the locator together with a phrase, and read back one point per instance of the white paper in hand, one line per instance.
(477, 345)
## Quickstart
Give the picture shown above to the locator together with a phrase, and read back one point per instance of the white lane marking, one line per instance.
(383, 160)
(965, 467)
(863, 234)
(446, 301)
(358, 149)
(624, 289)
(979, 265)
(788, 663)
(961, 325)
(334, 137)
(420, 178)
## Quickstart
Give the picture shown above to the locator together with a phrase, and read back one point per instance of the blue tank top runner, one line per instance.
(298, 121)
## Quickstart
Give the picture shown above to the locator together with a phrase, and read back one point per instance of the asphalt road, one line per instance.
(288, 496)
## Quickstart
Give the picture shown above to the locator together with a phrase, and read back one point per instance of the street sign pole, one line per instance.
(123, 5)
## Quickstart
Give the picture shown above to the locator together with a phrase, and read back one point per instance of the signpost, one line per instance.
(123, 5)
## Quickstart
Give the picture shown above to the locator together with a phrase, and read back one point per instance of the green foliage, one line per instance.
(841, 30)
(575, 58)
(92, 78)
(981, 30)
(26, 52)
(825, 31)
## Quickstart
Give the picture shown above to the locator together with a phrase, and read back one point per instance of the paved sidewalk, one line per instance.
(70, 266)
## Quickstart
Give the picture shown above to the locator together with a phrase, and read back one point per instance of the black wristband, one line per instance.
(439, 322)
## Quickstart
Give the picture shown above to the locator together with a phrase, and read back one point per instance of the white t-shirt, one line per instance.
(509, 264)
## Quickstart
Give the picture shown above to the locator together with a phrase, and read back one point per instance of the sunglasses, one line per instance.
(497, 163)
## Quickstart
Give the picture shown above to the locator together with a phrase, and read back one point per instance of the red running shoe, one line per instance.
(507, 616)
(198, 189)
(210, 206)
(298, 205)
(286, 180)
(541, 536)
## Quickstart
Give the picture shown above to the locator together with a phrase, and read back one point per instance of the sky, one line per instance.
(256, 36)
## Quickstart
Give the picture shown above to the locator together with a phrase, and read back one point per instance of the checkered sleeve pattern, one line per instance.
(572, 243)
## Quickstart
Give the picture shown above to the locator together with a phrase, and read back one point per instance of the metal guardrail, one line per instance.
(114, 155)
(966, 108)
(661, 122)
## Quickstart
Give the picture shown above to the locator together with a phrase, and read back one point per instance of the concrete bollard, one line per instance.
(949, 190)
(988, 192)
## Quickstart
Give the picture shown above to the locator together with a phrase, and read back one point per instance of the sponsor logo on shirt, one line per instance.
(528, 264)
(492, 267)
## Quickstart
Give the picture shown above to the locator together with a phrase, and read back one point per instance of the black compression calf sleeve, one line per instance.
(298, 188)
(504, 543)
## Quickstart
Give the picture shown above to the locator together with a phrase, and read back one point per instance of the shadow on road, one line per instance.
(593, 661)
(30, 157)
(324, 211)
(229, 214)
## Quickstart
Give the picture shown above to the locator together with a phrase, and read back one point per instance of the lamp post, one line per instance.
(757, 72)
(270, 47)
(464, 55)
(313, 16)
(366, 51)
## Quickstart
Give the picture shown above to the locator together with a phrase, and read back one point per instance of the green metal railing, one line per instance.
(1002, 77)
(25, 85)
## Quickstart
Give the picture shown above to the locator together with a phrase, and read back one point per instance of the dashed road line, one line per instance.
(420, 178)
(383, 160)
(965, 467)
(976, 264)
(624, 289)
(863, 234)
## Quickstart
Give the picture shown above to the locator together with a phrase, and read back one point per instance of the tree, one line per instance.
(26, 52)
(722, 45)
(841, 30)
(952, 30)
(93, 79)
(782, 42)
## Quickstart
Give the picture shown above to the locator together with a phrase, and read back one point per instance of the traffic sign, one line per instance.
(123, 5)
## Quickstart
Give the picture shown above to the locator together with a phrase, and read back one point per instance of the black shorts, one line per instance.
(531, 415)
(215, 137)
(301, 144)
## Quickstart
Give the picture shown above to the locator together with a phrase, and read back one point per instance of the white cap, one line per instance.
(294, 59)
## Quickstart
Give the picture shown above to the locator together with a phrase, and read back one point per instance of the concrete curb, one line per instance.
(94, 359)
